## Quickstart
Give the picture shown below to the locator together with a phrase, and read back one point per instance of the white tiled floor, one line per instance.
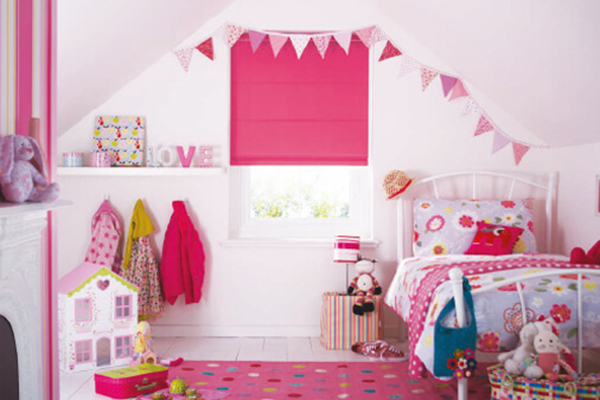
(80, 385)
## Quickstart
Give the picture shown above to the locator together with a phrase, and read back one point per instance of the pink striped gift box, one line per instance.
(346, 248)
(340, 328)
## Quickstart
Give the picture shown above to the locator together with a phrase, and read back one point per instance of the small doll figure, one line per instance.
(364, 286)
(143, 349)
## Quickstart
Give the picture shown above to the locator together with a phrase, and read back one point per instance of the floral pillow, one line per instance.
(449, 226)
(494, 240)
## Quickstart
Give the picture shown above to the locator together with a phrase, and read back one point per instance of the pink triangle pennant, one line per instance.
(277, 42)
(499, 142)
(365, 35)
(185, 57)
(519, 151)
(389, 51)
(322, 43)
(256, 39)
(206, 48)
(299, 42)
(427, 76)
(378, 35)
(483, 126)
(234, 33)
(458, 91)
(471, 107)
(448, 83)
(343, 39)
(408, 65)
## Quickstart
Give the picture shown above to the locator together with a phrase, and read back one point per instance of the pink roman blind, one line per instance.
(307, 111)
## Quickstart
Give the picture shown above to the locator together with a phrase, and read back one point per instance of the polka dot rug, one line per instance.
(255, 380)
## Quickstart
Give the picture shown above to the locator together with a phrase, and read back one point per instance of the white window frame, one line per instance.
(242, 226)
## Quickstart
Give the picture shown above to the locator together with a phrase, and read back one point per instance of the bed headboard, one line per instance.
(482, 185)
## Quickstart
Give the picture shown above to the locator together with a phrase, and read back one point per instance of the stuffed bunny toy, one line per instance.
(22, 171)
(548, 361)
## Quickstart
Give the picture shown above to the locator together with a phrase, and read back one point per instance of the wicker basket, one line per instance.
(508, 387)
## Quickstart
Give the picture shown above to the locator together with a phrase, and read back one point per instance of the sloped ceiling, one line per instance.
(104, 44)
(536, 59)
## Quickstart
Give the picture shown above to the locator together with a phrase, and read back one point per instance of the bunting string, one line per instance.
(453, 87)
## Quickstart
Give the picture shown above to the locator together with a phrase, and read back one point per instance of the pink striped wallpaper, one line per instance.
(27, 90)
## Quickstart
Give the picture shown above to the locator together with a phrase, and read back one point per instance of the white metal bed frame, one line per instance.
(456, 276)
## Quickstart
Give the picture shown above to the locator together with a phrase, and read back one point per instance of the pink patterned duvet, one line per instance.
(420, 290)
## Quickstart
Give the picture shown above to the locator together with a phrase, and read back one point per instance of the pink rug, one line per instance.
(256, 380)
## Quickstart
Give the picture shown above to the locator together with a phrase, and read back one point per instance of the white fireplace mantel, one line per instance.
(22, 288)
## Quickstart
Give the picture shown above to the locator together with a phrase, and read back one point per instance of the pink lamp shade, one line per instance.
(346, 248)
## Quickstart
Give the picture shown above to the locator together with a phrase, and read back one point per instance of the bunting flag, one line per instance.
(499, 142)
(185, 57)
(519, 151)
(256, 39)
(206, 48)
(470, 108)
(483, 126)
(322, 43)
(343, 39)
(458, 91)
(233, 34)
(277, 42)
(448, 83)
(299, 42)
(378, 35)
(389, 51)
(453, 88)
(427, 76)
(408, 65)
(365, 35)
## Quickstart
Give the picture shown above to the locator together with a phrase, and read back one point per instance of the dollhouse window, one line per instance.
(83, 310)
(299, 146)
(123, 346)
(83, 351)
(122, 307)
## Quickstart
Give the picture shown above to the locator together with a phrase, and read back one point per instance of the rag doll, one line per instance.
(364, 286)
(143, 348)
(22, 171)
(548, 362)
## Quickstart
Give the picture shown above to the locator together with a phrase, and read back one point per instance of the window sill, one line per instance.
(291, 243)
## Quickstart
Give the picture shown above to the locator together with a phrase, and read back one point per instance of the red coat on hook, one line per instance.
(182, 265)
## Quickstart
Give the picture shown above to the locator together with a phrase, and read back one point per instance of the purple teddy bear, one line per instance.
(20, 180)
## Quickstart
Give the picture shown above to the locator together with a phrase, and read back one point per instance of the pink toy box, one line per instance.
(131, 381)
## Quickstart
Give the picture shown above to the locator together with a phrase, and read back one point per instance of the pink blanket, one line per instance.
(421, 297)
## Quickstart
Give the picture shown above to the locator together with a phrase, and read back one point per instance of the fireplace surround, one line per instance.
(23, 296)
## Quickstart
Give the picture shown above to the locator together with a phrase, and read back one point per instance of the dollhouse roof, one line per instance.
(84, 274)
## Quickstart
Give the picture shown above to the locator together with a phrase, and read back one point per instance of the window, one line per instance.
(299, 141)
(83, 351)
(122, 307)
(83, 310)
(300, 202)
(123, 346)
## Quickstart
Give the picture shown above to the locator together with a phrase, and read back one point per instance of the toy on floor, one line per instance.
(23, 171)
(143, 349)
(548, 362)
(579, 256)
(364, 286)
(178, 386)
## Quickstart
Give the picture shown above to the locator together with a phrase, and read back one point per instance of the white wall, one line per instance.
(276, 291)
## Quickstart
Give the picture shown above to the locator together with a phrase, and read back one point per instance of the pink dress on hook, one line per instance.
(106, 232)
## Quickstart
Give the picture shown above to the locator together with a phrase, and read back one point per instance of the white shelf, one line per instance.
(139, 171)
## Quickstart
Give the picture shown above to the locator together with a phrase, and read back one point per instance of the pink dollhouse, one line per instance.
(98, 316)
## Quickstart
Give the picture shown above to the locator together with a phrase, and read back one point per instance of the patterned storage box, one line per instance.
(508, 387)
(340, 328)
(124, 137)
(131, 381)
